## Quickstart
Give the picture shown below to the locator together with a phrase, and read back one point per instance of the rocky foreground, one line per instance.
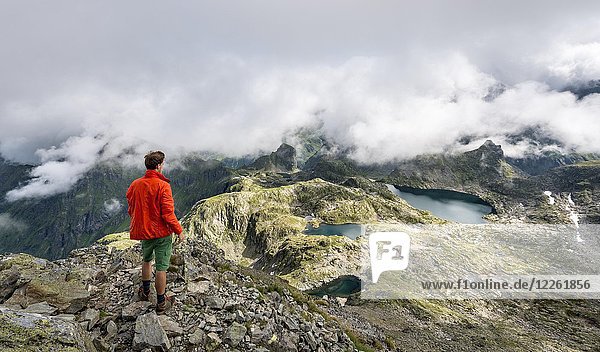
(87, 302)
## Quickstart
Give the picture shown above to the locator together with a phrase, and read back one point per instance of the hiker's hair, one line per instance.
(152, 159)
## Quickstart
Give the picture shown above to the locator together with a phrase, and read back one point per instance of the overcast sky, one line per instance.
(392, 78)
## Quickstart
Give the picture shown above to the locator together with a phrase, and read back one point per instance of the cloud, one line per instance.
(572, 63)
(61, 168)
(112, 206)
(8, 223)
(388, 80)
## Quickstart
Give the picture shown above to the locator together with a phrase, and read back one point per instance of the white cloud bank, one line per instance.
(389, 81)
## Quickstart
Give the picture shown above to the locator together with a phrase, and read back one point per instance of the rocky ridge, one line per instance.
(87, 302)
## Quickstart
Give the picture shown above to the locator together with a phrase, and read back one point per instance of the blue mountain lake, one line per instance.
(450, 205)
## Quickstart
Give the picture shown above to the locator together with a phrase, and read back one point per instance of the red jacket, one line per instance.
(151, 207)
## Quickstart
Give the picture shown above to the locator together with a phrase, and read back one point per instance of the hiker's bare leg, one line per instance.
(146, 271)
(161, 282)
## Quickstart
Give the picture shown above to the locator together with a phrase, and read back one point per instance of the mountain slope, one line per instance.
(96, 205)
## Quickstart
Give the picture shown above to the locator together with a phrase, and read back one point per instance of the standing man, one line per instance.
(153, 221)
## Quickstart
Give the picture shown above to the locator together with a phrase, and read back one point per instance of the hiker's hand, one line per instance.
(180, 238)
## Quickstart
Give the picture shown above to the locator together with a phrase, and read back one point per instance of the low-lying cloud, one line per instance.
(112, 206)
(10, 224)
(393, 96)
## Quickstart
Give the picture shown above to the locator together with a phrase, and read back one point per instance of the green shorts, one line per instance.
(161, 248)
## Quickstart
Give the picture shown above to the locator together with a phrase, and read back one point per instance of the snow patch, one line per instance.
(550, 198)
(573, 216)
(570, 200)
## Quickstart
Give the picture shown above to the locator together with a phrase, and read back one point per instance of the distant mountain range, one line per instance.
(584, 89)
(51, 227)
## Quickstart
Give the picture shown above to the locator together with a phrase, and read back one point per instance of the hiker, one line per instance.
(153, 221)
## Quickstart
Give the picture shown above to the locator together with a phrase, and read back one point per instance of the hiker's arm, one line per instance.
(129, 201)
(167, 209)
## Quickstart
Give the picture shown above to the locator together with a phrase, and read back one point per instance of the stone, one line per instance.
(101, 345)
(289, 343)
(198, 287)
(149, 333)
(69, 296)
(231, 316)
(239, 316)
(215, 329)
(171, 327)
(211, 319)
(178, 289)
(213, 340)
(234, 334)
(41, 308)
(330, 337)
(311, 340)
(198, 337)
(63, 316)
(290, 323)
(58, 334)
(91, 316)
(275, 296)
(9, 282)
(256, 335)
(214, 302)
(77, 303)
(177, 259)
(231, 305)
(131, 311)
(111, 328)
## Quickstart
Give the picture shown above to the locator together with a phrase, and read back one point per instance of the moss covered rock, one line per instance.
(28, 280)
(118, 241)
(21, 331)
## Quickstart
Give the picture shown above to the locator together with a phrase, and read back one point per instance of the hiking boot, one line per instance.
(161, 308)
(143, 296)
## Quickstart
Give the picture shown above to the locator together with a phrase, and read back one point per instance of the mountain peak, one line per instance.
(284, 159)
(489, 151)
(489, 144)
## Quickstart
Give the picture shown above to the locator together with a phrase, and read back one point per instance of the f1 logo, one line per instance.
(388, 251)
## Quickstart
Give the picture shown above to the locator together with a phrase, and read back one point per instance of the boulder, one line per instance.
(213, 340)
(91, 316)
(150, 334)
(171, 327)
(68, 296)
(214, 302)
(234, 334)
(198, 287)
(23, 331)
(198, 337)
(131, 311)
(41, 308)
(111, 328)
